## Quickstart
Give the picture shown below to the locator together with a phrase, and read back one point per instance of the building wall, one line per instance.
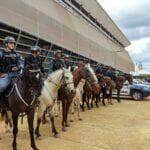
(50, 21)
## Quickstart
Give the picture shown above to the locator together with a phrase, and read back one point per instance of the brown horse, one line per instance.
(90, 94)
(120, 82)
(22, 97)
(83, 72)
(107, 87)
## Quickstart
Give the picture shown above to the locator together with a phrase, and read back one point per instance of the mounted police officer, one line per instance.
(67, 62)
(109, 72)
(58, 62)
(33, 62)
(10, 63)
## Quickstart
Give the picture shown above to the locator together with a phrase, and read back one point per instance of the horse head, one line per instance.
(62, 78)
(67, 82)
(90, 77)
(129, 78)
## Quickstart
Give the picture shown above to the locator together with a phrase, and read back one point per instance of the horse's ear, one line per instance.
(88, 64)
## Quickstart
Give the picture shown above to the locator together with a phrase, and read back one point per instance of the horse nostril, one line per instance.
(73, 91)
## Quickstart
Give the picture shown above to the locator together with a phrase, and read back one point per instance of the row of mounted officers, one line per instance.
(11, 63)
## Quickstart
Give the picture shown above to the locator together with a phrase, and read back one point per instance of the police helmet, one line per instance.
(66, 56)
(9, 39)
(58, 51)
(35, 49)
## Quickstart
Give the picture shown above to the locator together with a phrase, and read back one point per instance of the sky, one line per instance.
(133, 18)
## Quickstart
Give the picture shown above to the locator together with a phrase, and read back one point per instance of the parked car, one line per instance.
(137, 91)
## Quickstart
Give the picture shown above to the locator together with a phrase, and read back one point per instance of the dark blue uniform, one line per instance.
(57, 64)
(34, 63)
(8, 60)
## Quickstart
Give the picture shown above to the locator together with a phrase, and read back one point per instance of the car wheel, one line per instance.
(137, 95)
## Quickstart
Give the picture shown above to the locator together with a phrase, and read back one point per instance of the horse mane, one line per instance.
(51, 75)
(91, 71)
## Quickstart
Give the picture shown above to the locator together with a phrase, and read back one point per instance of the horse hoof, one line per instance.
(39, 137)
(35, 148)
(71, 120)
(64, 129)
(67, 125)
(80, 119)
(57, 136)
(97, 106)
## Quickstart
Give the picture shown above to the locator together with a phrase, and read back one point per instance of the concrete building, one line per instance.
(81, 28)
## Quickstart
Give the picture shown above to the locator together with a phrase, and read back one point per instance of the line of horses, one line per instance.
(70, 89)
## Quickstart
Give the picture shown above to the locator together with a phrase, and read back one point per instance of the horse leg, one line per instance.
(8, 121)
(111, 100)
(93, 97)
(67, 110)
(83, 100)
(37, 132)
(63, 115)
(72, 112)
(15, 129)
(118, 95)
(88, 102)
(78, 111)
(54, 131)
(103, 100)
(44, 120)
(97, 101)
(30, 116)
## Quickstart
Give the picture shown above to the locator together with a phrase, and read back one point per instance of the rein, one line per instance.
(19, 95)
(57, 85)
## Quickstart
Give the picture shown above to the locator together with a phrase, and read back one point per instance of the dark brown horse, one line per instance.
(22, 97)
(107, 87)
(90, 94)
(83, 72)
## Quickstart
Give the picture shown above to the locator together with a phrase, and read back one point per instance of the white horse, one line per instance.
(75, 105)
(49, 95)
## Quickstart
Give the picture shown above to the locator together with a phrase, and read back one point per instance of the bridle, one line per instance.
(58, 85)
(51, 81)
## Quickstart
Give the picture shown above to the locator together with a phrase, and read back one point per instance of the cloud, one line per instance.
(130, 15)
(137, 32)
(133, 17)
(140, 52)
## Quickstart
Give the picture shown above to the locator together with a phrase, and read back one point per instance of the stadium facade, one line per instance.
(81, 28)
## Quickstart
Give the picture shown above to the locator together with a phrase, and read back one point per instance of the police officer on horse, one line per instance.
(33, 62)
(68, 63)
(10, 64)
(58, 63)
